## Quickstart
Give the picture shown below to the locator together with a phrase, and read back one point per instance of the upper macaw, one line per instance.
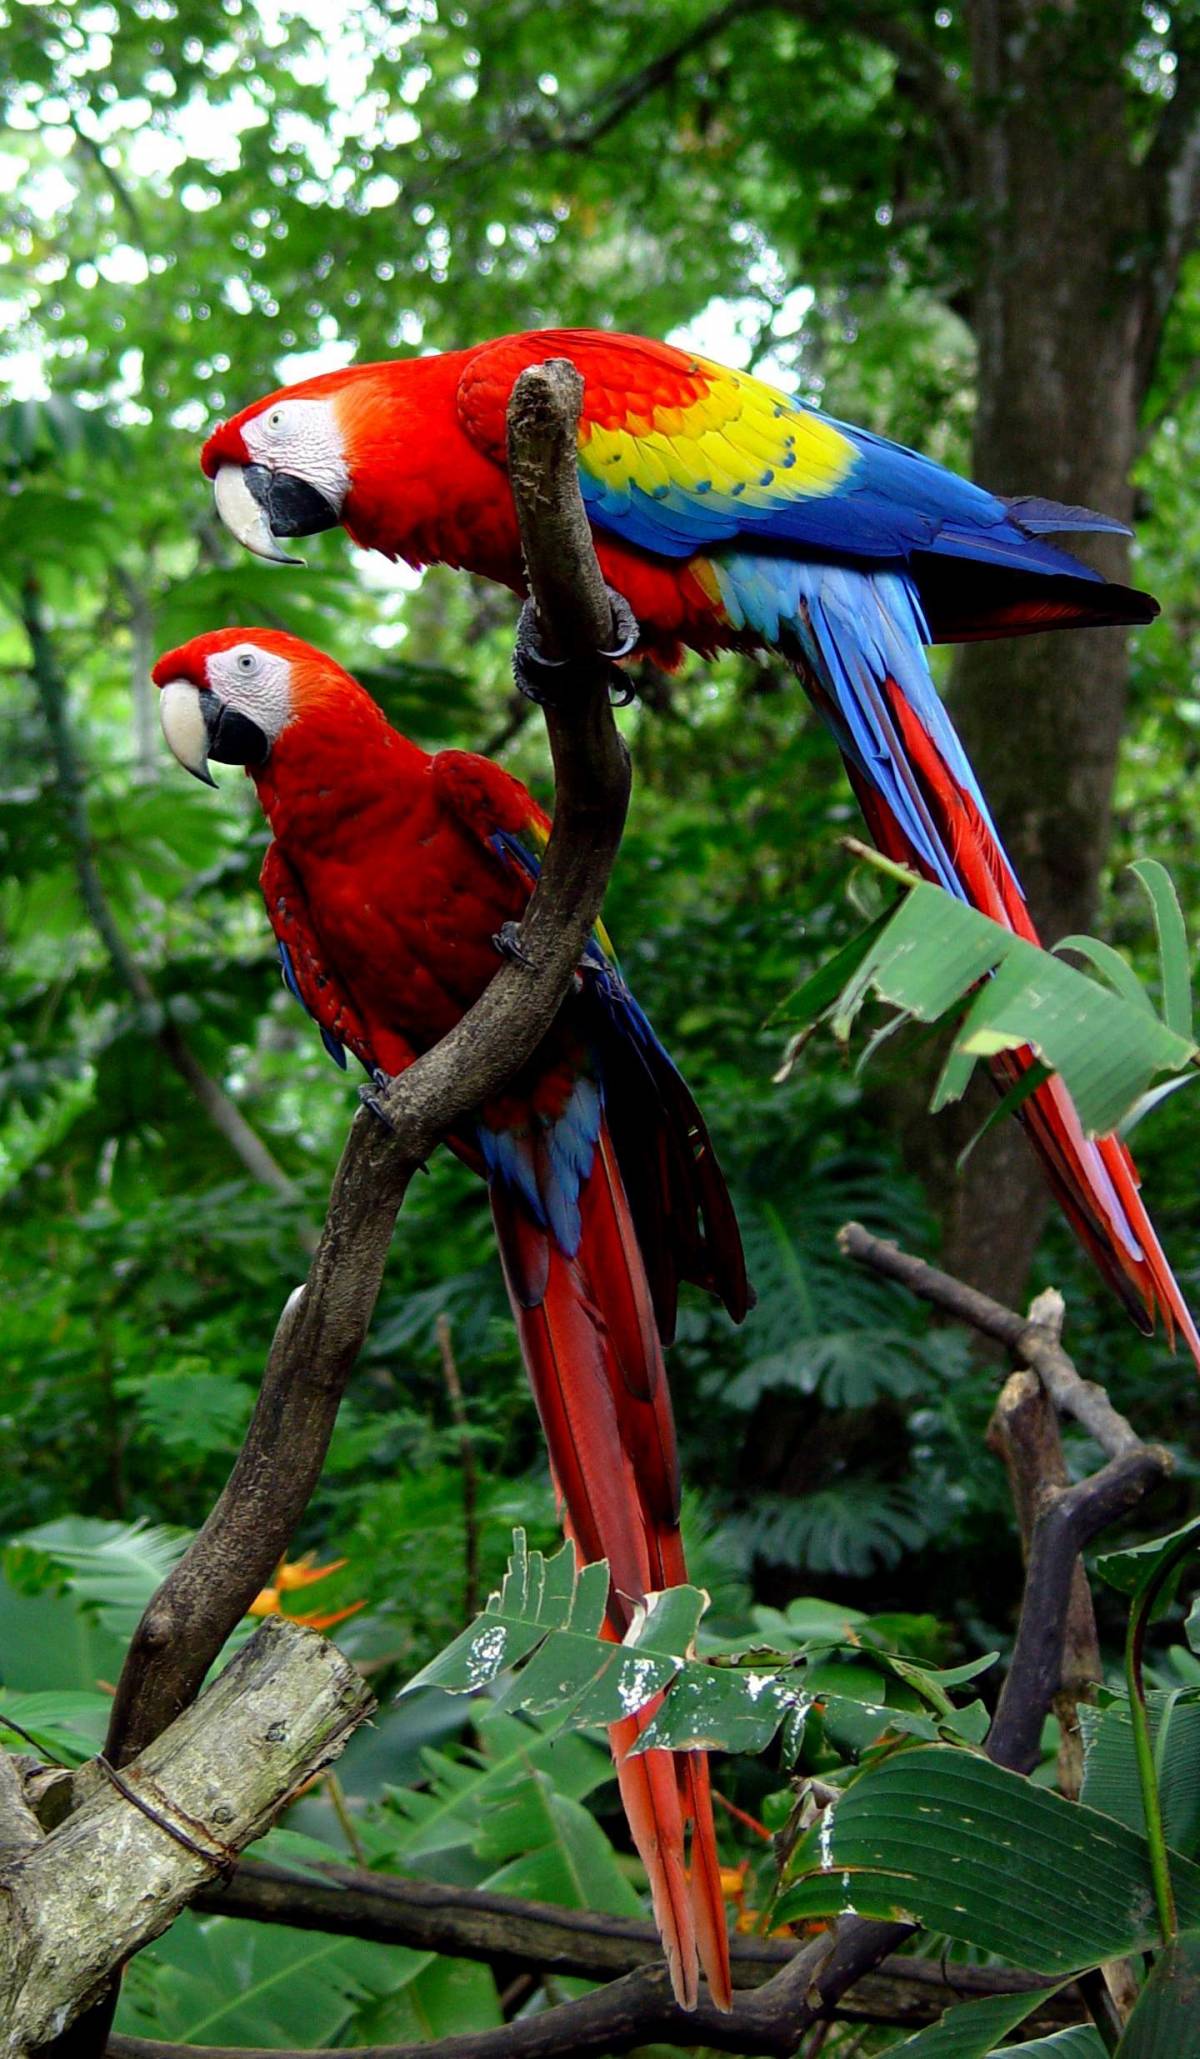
(729, 515)
(390, 878)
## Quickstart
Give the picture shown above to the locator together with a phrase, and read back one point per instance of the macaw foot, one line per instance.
(371, 1095)
(507, 940)
(541, 679)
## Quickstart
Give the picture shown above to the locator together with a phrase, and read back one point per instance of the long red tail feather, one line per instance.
(1094, 1179)
(592, 1351)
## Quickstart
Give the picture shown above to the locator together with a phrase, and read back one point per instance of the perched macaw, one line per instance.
(390, 878)
(729, 515)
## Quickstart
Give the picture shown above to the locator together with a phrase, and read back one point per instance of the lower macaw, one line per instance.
(728, 515)
(390, 878)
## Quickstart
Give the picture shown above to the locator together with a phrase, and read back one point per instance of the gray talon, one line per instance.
(371, 1095)
(535, 673)
(507, 941)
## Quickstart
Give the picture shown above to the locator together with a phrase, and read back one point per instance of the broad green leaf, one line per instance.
(444, 1814)
(550, 1637)
(1116, 970)
(1081, 2041)
(1110, 1777)
(1165, 2023)
(1172, 942)
(810, 1001)
(221, 1981)
(62, 1724)
(970, 2030)
(446, 1998)
(934, 952)
(1127, 1569)
(944, 1838)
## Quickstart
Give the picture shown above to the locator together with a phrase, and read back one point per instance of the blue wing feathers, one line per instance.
(335, 1049)
(892, 504)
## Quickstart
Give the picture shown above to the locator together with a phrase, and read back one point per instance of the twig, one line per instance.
(471, 1923)
(470, 1483)
(337, 1802)
(1033, 1344)
(223, 1113)
(74, 1905)
(634, 2011)
(322, 1327)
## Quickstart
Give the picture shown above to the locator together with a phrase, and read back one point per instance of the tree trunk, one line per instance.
(1058, 318)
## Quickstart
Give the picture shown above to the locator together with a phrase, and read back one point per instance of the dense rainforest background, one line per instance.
(969, 228)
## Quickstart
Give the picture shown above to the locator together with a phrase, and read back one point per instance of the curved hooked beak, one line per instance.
(198, 726)
(258, 505)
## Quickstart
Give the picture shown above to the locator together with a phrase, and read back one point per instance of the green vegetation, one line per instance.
(194, 200)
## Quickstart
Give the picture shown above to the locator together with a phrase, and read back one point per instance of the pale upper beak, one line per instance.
(199, 725)
(246, 517)
(184, 727)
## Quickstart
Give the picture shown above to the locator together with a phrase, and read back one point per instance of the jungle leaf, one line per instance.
(944, 1838)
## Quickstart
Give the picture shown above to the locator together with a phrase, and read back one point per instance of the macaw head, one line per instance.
(230, 695)
(323, 453)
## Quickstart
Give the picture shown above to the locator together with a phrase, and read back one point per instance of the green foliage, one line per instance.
(968, 2032)
(944, 1838)
(190, 199)
(932, 954)
(1166, 2016)
(213, 1980)
(544, 1625)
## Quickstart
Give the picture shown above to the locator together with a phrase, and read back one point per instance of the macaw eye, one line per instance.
(275, 418)
(246, 661)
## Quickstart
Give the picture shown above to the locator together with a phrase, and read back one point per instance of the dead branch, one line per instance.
(1035, 1344)
(473, 1923)
(76, 1904)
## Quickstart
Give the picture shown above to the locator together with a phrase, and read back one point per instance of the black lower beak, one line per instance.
(232, 738)
(292, 507)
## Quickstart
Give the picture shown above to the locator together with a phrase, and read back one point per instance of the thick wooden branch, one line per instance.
(19, 1827)
(322, 1327)
(1068, 1521)
(76, 1904)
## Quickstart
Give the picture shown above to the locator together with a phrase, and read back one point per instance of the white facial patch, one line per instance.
(256, 683)
(301, 437)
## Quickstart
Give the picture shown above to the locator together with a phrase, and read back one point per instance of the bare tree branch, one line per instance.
(76, 1904)
(223, 1114)
(1064, 1519)
(1034, 1344)
(471, 1923)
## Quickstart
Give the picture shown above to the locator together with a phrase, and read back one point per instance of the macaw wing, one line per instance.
(678, 456)
(305, 975)
(683, 1216)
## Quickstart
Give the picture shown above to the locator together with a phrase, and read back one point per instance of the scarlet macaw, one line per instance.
(390, 877)
(729, 515)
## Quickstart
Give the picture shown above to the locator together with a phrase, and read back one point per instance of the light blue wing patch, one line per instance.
(549, 1163)
(856, 629)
